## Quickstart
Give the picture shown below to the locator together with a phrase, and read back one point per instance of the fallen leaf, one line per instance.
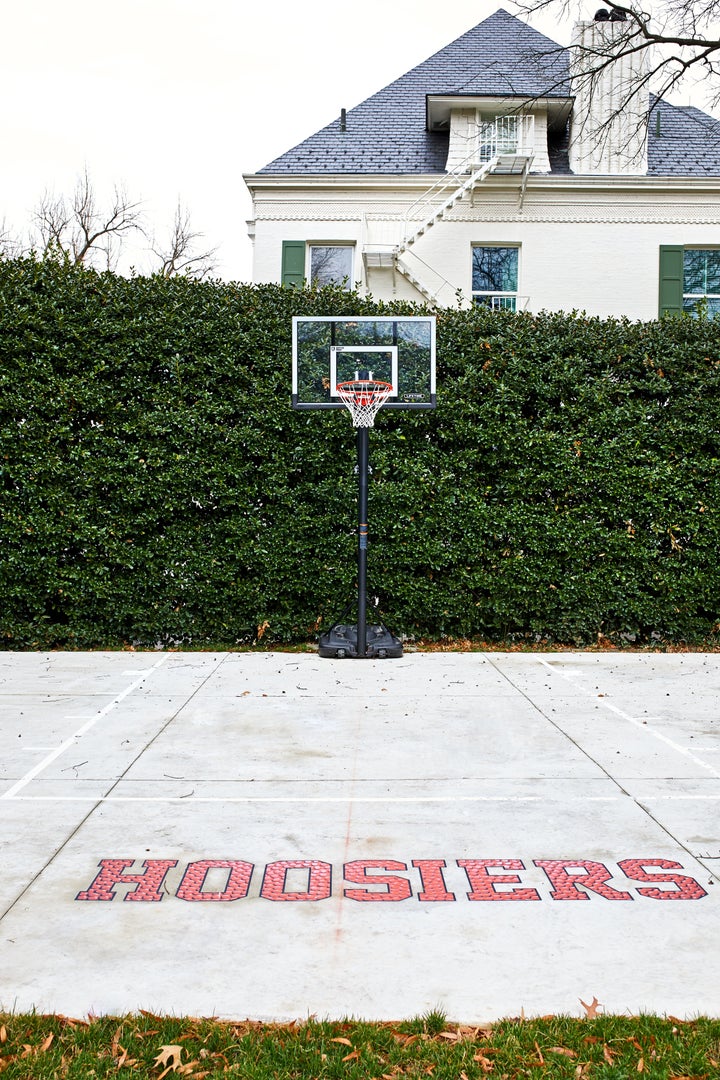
(3, 1034)
(641, 1065)
(608, 1054)
(345, 1042)
(539, 1053)
(451, 1036)
(591, 1010)
(353, 1056)
(72, 1021)
(168, 1059)
(115, 1044)
(562, 1050)
(47, 1044)
(485, 1063)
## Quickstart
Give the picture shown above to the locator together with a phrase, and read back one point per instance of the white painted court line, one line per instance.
(418, 799)
(77, 735)
(190, 797)
(638, 723)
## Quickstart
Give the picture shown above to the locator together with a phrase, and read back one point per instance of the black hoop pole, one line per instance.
(363, 443)
(343, 640)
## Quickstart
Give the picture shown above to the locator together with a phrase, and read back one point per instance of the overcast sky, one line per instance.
(176, 99)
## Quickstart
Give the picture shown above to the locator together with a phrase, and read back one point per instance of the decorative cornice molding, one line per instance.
(595, 212)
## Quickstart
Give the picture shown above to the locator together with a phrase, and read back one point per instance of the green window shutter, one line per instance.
(671, 279)
(293, 263)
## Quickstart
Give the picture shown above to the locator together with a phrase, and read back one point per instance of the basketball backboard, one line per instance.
(328, 350)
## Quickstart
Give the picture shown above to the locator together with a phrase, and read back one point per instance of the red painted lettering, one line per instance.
(396, 888)
(567, 875)
(687, 887)
(236, 885)
(319, 880)
(483, 884)
(147, 884)
(432, 880)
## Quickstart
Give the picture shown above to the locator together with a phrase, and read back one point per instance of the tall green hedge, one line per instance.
(157, 489)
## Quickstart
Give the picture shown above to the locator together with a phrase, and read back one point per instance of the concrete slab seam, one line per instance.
(77, 735)
(636, 722)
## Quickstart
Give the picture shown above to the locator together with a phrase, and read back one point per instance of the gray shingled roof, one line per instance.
(501, 56)
(682, 141)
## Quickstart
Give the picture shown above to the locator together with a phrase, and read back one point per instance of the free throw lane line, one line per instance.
(77, 735)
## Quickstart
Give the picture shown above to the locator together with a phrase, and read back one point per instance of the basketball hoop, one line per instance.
(363, 396)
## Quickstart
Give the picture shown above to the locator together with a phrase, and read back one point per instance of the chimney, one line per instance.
(608, 133)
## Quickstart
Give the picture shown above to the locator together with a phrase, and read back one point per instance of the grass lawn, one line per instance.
(600, 1046)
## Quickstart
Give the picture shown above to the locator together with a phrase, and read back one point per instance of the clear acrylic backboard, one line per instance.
(328, 350)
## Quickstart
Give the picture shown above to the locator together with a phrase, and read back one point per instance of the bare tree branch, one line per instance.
(684, 32)
(180, 254)
(79, 230)
(10, 244)
(674, 46)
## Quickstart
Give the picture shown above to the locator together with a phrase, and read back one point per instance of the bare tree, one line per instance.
(182, 253)
(685, 32)
(82, 231)
(678, 44)
(10, 244)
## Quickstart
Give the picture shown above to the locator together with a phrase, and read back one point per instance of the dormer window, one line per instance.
(482, 128)
(514, 134)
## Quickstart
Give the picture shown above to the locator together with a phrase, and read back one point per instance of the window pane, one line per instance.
(496, 303)
(712, 271)
(331, 265)
(495, 269)
(709, 308)
(701, 271)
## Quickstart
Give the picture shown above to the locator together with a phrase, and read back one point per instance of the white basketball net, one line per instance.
(363, 397)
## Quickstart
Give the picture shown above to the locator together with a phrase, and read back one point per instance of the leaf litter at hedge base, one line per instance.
(606, 1047)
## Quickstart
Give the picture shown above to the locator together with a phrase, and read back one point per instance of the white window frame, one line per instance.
(506, 133)
(699, 298)
(500, 300)
(343, 283)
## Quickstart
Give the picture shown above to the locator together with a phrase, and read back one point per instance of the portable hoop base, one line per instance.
(341, 643)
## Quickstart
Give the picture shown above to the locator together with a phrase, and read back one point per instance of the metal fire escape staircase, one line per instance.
(433, 206)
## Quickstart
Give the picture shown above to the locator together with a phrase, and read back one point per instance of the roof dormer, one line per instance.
(482, 127)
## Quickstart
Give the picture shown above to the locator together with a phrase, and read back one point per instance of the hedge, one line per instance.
(157, 489)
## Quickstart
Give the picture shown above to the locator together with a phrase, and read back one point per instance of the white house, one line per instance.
(478, 177)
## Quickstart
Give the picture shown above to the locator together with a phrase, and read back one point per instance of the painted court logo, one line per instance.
(427, 881)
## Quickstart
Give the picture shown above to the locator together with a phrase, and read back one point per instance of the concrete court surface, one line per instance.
(277, 835)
